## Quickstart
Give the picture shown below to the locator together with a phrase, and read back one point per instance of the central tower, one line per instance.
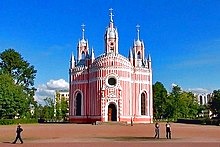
(111, 37)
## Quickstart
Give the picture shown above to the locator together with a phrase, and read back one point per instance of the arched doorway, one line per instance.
(78, 104)
(112, 112)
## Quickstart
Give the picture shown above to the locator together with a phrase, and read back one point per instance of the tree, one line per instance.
(176, 104)
(48, 109)
(189, 106)
(12, 98)
(20, 70)
(159, 97)
(64, 106)
(214, 104)
(181, 104)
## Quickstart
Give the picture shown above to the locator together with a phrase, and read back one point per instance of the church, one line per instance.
(110, 87)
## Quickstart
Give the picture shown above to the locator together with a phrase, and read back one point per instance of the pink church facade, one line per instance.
(110, 87)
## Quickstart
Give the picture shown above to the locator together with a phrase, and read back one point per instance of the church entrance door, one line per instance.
(112, 112)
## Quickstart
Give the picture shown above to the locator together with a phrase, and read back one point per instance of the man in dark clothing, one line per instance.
(18, 136)
(157, 131)
(168, 130)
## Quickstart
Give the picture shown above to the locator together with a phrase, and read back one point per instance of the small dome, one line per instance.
(112, 34)
(138, 43)
(83, 41)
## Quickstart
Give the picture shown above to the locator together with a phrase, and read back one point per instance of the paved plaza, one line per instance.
(107, 135)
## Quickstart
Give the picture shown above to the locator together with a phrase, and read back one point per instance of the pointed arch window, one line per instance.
(78, 104)
(83, 55)
(143, 104)
(139, 55)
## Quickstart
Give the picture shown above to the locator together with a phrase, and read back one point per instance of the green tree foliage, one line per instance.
(214, 104)
(64, 106)
(181, 104)
(61, 107)
(12, 98)
(173, 102)
(47, 111)
(17, 81)
(176, 104)
(159, 97)
(20, 70)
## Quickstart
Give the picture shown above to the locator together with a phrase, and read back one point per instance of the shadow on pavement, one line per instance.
(131, 138)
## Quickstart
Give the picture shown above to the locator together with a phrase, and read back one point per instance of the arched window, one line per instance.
(139, 55)
(143, 104)
(83, 55)
(78, 104)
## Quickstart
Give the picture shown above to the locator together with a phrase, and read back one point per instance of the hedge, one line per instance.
(205, 121)
(17, 121)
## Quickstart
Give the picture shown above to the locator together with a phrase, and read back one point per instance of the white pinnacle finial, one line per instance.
(138, 31)
(111, 15)
(83, 31)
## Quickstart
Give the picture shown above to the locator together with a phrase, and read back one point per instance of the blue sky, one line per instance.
(182, 36)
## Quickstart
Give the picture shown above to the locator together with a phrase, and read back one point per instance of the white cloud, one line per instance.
(57, 84)
(48, 89)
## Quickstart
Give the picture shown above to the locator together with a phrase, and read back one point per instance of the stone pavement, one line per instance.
(87, 135)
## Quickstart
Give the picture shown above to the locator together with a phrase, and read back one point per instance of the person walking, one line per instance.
(18, 136)
(168, 130)
(157, 131)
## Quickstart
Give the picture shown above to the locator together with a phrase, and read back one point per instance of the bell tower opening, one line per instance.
(112, 112)
(83, 55)
(139, 55)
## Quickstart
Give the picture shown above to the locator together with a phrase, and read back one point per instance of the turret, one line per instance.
(83, 46)
(111, 37)
(138, 46)
(92, 57)
(130, 56)
(72, 61)
(149, 61)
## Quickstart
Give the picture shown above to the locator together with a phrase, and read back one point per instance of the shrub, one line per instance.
(17, 121)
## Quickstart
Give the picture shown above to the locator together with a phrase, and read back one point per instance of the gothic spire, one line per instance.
(72, 61)
(83, 31)
(130, 54)
(92, 55)
(149, 58)
(138, 32)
